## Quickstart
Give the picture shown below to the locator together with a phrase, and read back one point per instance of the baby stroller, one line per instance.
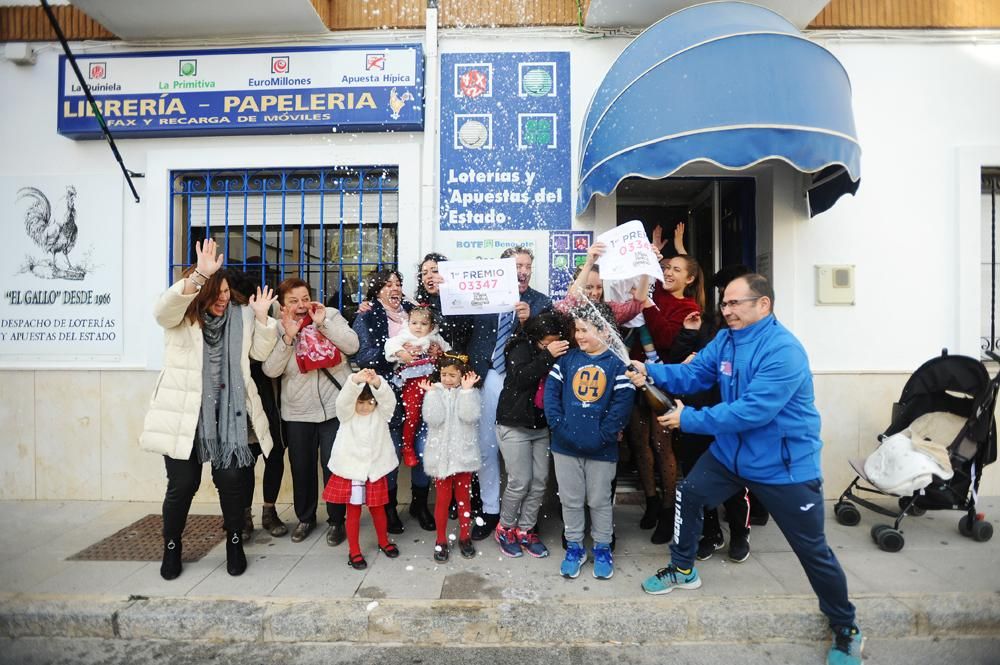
(953, 400)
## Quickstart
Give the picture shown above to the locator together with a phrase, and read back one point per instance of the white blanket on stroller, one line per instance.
(908, 461)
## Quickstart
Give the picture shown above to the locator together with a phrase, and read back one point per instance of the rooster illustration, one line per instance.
(397, 103)
(54, 236)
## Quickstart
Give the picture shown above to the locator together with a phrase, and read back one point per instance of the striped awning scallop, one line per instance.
(727, 83)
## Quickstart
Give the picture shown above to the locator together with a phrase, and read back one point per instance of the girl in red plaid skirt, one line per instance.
(362, 457)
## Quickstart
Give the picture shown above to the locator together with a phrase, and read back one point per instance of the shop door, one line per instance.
(720, 230)
(719, 216)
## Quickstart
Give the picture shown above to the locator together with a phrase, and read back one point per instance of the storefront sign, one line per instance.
(628, 253)
(61, 267)
(478, 287)
(505, 141)
(245, 91)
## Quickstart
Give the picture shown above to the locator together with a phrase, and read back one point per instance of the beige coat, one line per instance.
(312, 397)
(169, 428)
(363, 448)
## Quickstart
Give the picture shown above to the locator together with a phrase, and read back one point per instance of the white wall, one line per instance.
(918, 107)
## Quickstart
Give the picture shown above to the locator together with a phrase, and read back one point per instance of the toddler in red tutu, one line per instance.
(362, 457)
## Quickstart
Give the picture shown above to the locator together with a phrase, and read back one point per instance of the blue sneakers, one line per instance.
(533, 545)
(667, 579)
(507, 538)
(604, 563)
(846, 648)
(576, 556)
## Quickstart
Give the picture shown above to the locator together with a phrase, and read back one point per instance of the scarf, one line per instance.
(312, 348)
(397, 320)
(222, 422)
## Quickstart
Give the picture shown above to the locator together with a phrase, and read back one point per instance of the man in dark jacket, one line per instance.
(767, 438)
(490, 333)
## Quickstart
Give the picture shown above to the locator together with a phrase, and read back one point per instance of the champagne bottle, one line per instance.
(658, 401)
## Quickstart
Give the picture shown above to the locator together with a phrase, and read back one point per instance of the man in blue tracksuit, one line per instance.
(767, 438)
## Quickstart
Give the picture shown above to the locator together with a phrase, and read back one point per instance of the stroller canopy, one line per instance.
(956, 384)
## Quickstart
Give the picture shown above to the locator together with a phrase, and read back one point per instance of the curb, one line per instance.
(646, 621)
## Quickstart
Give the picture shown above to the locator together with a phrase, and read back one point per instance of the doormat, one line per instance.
(143, 540)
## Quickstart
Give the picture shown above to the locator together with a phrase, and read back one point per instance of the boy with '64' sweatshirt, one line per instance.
(588, 399)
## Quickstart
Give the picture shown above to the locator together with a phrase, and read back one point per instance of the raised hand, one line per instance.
(469, 379)
(364, 307)
(317, 312)
(595, 251)
(208, 263)
(289, 323)
(425, 385)
(261, 302)
(558, 348)
(658, 241)
(679, 238)
(692, 321)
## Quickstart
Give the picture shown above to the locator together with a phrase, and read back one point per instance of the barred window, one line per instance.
(329, 226)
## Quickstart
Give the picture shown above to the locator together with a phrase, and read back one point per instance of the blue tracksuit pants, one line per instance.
(798, 511)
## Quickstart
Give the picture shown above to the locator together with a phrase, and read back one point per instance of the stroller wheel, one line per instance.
(982, 531)
(877, 529)
(890, 540)
(846, 513)
(914, 510)
(965, 525)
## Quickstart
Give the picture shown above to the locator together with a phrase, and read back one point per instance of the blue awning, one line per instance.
(726, 83)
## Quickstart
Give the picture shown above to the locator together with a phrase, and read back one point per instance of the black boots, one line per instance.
(171, 566)
(664, 531)
(488, 526)
(650, 517)
(271, 523)
(236, 559)
(419, 509)
(393, 524)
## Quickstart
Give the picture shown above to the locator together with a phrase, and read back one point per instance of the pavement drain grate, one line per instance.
(143, 540)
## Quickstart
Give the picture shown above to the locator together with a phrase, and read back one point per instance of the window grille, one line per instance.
(329, 226)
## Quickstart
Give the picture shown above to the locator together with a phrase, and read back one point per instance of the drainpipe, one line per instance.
(432, 98)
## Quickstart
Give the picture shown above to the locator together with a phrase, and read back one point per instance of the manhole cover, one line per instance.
(143, 540)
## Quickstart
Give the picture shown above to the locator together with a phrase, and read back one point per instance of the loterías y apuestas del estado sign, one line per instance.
(245, 91)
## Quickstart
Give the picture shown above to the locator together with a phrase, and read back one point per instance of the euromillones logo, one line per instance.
(187, 67)
(280, 64)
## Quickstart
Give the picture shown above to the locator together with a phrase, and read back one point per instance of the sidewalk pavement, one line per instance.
(940, 584)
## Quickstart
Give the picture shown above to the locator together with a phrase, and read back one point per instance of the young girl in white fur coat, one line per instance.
(451, 411)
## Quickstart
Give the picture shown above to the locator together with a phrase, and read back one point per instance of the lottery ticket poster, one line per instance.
(567, 252)
(484, 286)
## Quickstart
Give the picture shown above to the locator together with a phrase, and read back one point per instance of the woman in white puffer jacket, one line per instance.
(204, 398)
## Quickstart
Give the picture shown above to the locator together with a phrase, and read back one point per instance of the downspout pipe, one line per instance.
(429, 164)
